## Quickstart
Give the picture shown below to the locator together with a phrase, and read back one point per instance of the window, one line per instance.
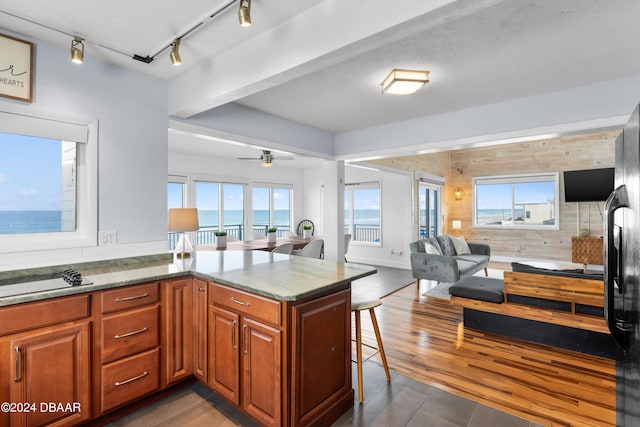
(176, 198)
(429, 206)
(220, 206)
(48, 182)
(516, 201)
(362, 212)
(271, 207)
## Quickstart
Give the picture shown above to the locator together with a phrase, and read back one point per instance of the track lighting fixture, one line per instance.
(175, 55)
(77, 50)
(244, 13)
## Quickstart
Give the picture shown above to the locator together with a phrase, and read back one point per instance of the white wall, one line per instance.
(227, 170)
(397, 221)
(131, 110)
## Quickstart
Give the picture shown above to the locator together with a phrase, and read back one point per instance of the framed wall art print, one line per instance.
(16, 68)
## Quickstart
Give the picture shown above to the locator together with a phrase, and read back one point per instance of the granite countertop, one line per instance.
(278, 276)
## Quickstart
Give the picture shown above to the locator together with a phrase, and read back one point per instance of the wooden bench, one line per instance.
(580, 295)
(566, 312)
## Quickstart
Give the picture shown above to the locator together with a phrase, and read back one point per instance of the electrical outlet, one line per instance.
(107, 238)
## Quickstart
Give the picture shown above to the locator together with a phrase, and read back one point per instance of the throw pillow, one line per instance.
(429, 249)
(461, 245)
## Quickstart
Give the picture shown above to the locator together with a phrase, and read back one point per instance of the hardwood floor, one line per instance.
(424, 340)
(442, 375)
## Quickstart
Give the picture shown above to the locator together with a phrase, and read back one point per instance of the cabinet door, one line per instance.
(321, 355)
(224, 357)
(261, 372)
(52, 366)
(178, 320)
(200, 329)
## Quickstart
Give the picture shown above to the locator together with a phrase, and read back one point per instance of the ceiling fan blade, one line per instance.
(249, 158)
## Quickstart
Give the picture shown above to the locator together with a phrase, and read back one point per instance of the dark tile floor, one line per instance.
(399, 403)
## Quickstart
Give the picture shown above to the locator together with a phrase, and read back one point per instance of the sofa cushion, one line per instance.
(420, 245)
(481, 261)
(466, 268)
(460, 245)
(446, 245)
(430, 249)
(479, 288)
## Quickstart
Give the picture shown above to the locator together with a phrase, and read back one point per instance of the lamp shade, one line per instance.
(456, 224)
(183, 219)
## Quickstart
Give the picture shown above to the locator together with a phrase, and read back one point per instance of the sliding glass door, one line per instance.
(429, 208)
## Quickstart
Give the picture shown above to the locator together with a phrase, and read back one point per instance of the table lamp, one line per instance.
(456, 225)
(183, 220)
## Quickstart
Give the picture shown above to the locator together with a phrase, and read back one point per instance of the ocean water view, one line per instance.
(19, 222)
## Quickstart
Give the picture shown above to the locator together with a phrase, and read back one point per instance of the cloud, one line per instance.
(28, 193)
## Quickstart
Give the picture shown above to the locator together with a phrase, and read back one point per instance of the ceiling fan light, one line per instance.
(244, 13)
(77, 50)
(175, 55)
(404, 82)
(267, 159)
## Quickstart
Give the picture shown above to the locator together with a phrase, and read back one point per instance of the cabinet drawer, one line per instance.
(130, 378)
(34, 315)
(129, 332)
(129, 297)
(251, 305)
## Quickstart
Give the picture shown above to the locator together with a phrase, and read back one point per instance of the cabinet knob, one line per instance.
(201, 289)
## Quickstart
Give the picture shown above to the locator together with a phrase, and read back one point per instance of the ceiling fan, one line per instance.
(267, 158)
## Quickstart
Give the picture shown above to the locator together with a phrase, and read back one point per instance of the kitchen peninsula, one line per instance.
(269, 332)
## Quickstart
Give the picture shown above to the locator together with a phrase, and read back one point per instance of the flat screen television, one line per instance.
(588, 185)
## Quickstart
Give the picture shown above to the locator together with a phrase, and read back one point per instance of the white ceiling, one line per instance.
(481, 52)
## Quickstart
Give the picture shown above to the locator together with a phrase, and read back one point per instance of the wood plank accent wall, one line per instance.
(589, 151)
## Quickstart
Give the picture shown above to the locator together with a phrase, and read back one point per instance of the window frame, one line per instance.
(85, 135)
(350, 187)
(518, 179)
(271, 187)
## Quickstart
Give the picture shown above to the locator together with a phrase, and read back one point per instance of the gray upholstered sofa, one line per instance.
(447, 263)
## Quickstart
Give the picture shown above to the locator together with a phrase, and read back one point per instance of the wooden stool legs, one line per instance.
(374, 321)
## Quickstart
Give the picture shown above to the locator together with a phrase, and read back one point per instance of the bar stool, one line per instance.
(357, 306)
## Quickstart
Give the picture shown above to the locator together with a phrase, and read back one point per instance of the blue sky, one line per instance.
(30, 173)
(498, 196)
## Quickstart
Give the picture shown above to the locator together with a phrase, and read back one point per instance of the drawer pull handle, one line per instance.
(237, 301)
(146, 294)
(128, 334)
(233, 335)
(201, 289)
(17, 351)
(142, 375)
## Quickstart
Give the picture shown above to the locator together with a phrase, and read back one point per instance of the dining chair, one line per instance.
(312, 250)
(347, 239)
(285, 248)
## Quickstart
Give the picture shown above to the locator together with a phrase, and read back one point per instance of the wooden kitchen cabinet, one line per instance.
(49, 365)
(200, 309)
(178, 297)
(129, 331)
(261, 371)
(245, 354)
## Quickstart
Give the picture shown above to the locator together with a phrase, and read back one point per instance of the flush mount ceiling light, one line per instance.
(244, 13)
(77, 50)
(404, 82)
(174, 54)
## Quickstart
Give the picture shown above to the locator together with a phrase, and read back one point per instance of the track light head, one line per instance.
(175, 55)
(244, 13)
(77, 50)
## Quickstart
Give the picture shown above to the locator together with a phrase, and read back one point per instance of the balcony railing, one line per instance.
(365, 233)
(206, 235)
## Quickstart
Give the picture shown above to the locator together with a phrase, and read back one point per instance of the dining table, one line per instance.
(299, 242)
